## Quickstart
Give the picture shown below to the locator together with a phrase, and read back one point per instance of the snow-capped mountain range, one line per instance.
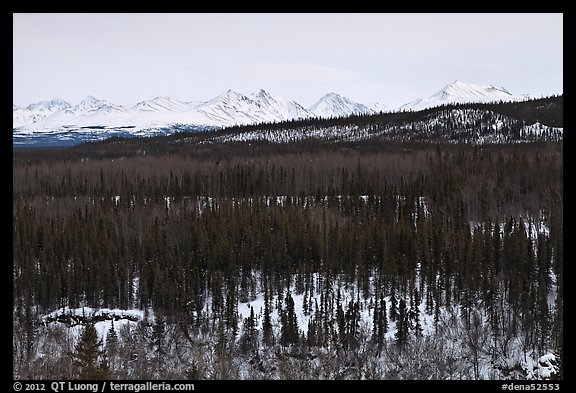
(229, 108)
(94, 119)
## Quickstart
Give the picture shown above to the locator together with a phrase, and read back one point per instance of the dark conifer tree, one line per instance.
(289, 324)
(393, 311)
(402, 324)
(267, 332)
(88, 355)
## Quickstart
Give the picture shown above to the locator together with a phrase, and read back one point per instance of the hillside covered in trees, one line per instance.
(278, 252)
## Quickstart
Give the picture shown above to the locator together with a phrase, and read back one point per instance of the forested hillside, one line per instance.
(409, 257)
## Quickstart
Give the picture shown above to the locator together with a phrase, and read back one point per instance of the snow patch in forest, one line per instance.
(348, 293)
(76, 318)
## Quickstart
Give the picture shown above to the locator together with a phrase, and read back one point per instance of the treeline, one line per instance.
(473, 228)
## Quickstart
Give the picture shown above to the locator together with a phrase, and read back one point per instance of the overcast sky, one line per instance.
(389, 58)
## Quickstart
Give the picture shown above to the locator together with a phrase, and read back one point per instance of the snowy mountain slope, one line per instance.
(92, 104)
(49, 106)
(335, 105)
(22, 116)
(163, 104)
(36, 112)
(474, 126)
(377, 107)
(232, 108)
(459, 92)
(280, 108)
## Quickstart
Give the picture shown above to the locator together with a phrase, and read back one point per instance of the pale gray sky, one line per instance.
(389, 58)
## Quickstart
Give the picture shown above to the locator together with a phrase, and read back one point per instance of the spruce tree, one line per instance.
(375, 321)
(382, 321)
(249, 339)
(402, 324)
(289, 329)
(88, 354)
(112, 345)
(158, 335)
(393, 311)
(415, 314)
(267, 332)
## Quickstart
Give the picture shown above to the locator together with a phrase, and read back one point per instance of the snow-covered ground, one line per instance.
(448, 331)
(76, 318)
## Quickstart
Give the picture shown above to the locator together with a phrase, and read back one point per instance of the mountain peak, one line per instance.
(90, 98)
(335, 105)
(53, 105)
(263, 96)
(333, 95)
(159, 104)
(230, 95)
(262, 93)
(461, 92)
(231, 108)
(91, 103)
(457, 82)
